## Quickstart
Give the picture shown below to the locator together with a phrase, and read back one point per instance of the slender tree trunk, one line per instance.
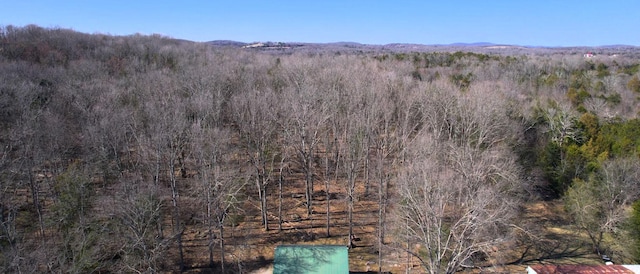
(210, 235)
(35, 195)
(261, 184)
(326, 182)
(408, 246)
(380, 210)
(222, 262)
(327, 197)
(383, 219)
(335, 179)
(382, 194)
(309, 185)
(264, 206)
(350, 194)
(350, 218)
(280, 199)
(156, 183)
(209, 189)
(262, 193)
(367, 182)
(176, 211)
(156, 175)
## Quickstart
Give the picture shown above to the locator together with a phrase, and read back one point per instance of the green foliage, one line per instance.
(577, 97)
(599, 87)
(634, 84)
(599, 205)
(603, 70)
(462, 81)
(619, 138)
(74, 198)
(614, 98)
(581, 200)
(550, 162)
(580, 80)
(634, 229)
(400, 56)
(561, 165)
(589, 124)
(142, 246)
(586, 204)
(416, 75)
(575, 151)
(105, 103)
(439, 59)
(83, 249)
(549, 80)
(80, 233)
(631, 69)
(382, 57)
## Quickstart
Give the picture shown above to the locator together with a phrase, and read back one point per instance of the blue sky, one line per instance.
(520, 22)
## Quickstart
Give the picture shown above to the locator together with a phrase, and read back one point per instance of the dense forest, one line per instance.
(151, 154)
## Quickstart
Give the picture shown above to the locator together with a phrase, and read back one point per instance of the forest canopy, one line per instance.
(145, 153)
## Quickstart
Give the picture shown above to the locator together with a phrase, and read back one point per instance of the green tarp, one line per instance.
(333, 259)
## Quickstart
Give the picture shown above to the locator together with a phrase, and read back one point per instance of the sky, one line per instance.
(514, 22)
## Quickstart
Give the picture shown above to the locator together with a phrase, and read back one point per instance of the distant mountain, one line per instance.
(478, 47)
(346, 44)
(226, 43)
(617, 46)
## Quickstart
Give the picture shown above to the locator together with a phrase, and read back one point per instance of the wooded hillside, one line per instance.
(150, 154)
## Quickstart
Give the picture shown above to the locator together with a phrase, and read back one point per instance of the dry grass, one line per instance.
(549, 237)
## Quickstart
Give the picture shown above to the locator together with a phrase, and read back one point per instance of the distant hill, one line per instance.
(226, 43)
(478, 47)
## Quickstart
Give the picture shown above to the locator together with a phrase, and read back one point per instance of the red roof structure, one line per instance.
(578, 269)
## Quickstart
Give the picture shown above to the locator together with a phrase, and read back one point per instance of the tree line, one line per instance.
(112, 146)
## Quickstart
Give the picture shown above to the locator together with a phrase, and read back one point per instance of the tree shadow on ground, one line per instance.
(232, 268)
(555, 247)
(305, 259)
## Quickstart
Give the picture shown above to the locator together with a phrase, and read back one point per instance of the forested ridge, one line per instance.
(150, 154)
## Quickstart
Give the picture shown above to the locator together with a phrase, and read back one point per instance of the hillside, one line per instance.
(480, 47)
(150, 154)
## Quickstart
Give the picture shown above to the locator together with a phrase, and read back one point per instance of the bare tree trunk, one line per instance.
(264, 206)
(177, 226)
(35, 195)
(222, 262)
(209, 201)
(308, 184)
(327, 170)
(335, 172)
(209, 230)
(350, 194)
(280, 181)
(261, 186)
(156, 175)
(367, 182)
(380, 213)
(327, 196)
(408, 247)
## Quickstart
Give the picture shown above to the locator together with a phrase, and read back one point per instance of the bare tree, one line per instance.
(599, 204)
(353, 152)
(139, 211)
(455, 219)
(458, 197)
(166, 131)
(305, 118)
(218, 187)
(257, 124)
(382, 140)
